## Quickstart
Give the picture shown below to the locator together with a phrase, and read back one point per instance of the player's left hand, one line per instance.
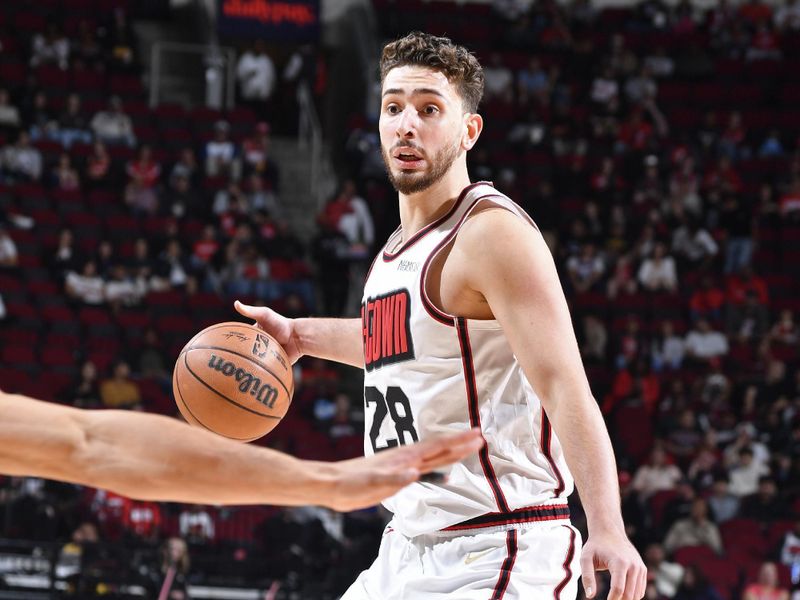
(613, 552)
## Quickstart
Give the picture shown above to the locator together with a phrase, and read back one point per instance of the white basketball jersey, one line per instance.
(428, 373)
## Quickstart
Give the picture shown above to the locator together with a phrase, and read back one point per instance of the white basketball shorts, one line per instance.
(522, 561)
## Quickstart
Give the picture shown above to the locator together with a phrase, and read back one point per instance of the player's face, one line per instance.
(421, 126)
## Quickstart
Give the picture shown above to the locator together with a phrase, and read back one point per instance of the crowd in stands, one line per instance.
(655, 146)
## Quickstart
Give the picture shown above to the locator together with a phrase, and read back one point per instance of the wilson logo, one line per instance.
(248, 383)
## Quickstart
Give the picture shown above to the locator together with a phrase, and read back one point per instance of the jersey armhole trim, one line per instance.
(433, 311)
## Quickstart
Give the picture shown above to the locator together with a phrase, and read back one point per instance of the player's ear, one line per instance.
(472, 131)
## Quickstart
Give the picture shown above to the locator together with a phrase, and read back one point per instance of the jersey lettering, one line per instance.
(386, 330)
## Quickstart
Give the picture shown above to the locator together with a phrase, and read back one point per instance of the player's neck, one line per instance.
(423, 208)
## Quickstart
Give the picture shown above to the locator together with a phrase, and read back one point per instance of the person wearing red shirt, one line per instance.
(722, 178)
(767, 587)
(635, 133)
(142, 519)
(706, 302)
(743, 282)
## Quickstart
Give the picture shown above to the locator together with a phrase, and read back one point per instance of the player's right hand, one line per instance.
(362, 482)
(275, 324)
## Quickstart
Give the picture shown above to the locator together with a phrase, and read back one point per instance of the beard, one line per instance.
(416, 181)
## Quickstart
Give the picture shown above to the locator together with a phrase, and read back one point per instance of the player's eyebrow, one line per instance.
(415, 92)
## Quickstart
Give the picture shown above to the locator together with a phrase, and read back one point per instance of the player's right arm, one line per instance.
(152, 457)
(339, 340)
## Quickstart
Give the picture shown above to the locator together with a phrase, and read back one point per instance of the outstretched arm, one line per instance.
(338, 340)
(151, 457)
(517, 277)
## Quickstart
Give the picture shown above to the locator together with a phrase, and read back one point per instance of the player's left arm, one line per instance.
(511, 267)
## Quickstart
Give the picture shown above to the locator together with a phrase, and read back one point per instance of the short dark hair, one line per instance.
(460, 66)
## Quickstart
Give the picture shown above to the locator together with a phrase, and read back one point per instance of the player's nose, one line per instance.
(407, 123)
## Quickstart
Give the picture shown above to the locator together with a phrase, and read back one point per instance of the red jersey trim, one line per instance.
(508, 566)
(567, 566)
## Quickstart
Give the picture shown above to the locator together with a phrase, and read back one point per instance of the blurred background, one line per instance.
(160, 158)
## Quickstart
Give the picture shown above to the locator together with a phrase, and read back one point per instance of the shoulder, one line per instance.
(491, 226)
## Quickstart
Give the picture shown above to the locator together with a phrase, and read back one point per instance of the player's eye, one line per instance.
(392, 109)
(431, 109)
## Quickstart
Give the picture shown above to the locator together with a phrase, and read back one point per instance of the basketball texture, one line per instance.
(233, 379)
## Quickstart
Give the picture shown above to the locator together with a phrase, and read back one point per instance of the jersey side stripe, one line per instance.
(547, 436)
(474, 414)
(508, 566)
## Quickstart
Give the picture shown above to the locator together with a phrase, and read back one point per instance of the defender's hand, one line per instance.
(362, 482)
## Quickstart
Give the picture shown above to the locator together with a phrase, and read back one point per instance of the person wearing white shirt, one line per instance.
(221, 155)
(746, 474)
(658, 272)
(694, 243)
(86, 286)
(256, 74)
(113, 126)
(656, 476)
(196, 525)
(703, 343)
(666, 575)
(21, 160)
(787, 17)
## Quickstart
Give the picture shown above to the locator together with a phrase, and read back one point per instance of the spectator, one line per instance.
(153, 363)
(257, 156)
(746, 473)
(123, 290)
(21, 161)
(260, 198)
(694, 245)
(656, 476)
(142, 264)
(65, 176)
(746, 436)
(331, 252)
(763, 44)
(767, 587)
(772, 146)
(172, 270)
(142, 521)
(221, 155)
(722, 177)
(666, 575)
(622, 280)
(355, 220)
(50, 47)
(98, 167)
(120, 42)
(724, 506)
(695, 586)
(749, 321)
(72, 124)
(143, 173)
(703, 343)
(787, 17)
(256, 75)
(39, 118)
(87, 52)
(737, 222)
(684, 187)
(659, 63)
(342, 424)
(667, 350)
(658, 274)
(9, 114)
(120, 391)
(171, 580)
(785, 331)
(765, 505)
(595, 339)
(64, 258)
(113, 126)
(697, 530)
(181, 202)
(499, 80)
(605, 88)
(87, 286)
(86, 391)
(9, 256)
(196, 525)
(683, 440)
(533, 82)
(641, 87)
(739, 284)
(585, 269)
(790, 551)
(186, 166)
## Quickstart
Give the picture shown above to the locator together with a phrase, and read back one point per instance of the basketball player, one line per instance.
(150, 457)
(464, 324)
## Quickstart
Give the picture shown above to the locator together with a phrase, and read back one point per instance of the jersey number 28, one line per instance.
(397, 406)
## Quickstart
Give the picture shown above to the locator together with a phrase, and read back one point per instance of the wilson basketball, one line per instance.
(233, 379)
